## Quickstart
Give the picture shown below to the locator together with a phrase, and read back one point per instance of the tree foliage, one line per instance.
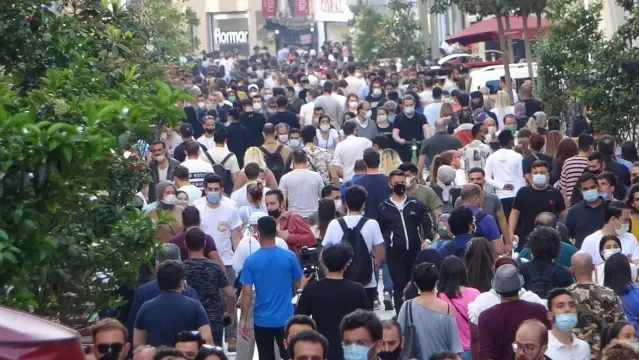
(398, 33)
(366, 41)
(70, 228)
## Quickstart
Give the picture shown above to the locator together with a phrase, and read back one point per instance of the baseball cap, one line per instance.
(186, 130)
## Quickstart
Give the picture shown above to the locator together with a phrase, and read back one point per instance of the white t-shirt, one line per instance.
(192, 191)
(348, 152)
(598, 275)
(206, 141)
(303, 190)
(163, 173)
(248, 246)
(578, 350)
(328, 144)
(239, 196)
(306, 113)
(371, 233)
(197, 171)
(218, 154)
(219, 223)
(628, 246)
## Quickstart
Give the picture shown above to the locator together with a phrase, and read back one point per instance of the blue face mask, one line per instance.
(604, 195)
(591, 195)
(566, 322)
(355, 352)
(539, 179)
(214, 197)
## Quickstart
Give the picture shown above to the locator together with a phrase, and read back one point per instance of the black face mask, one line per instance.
(209, 131)
(275, 213)
(596, 172)
(390, 355)
(399, 189)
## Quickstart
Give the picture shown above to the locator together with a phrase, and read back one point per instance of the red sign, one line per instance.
(269, 8)
(301, 7)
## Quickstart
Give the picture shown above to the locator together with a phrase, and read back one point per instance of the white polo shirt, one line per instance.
(629, 245)
(578, 350)
(348, 151)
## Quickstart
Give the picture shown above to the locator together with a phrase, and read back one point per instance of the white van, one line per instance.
(490, 76)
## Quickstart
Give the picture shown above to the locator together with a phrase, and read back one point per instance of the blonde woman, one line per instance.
(446, 112)
(255, 155)
(390, 161)
(538, 123)
(502, 107)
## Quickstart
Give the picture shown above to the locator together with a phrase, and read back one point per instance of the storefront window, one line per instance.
(229, 32)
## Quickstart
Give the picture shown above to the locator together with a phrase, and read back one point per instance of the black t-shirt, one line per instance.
(526, 163)
(560, 278)
(236, 141)
(583, 220)
(532, 106)
(410, 128)
(530, 203)
(327, 301)
(388, 133)
(254, 122)
(286, 117)
(440, 141)
(580, 126)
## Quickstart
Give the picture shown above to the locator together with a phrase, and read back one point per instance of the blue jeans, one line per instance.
(467, 355)
(386, 278)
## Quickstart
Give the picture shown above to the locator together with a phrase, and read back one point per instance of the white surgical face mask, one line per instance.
(283, 138)
(352, 104)
(609, 252)
(325, 127)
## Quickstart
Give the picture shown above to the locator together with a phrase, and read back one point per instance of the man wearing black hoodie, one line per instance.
(401, 219)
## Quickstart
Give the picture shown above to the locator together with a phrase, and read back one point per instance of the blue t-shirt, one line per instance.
(168, 314)
(345, 185)
(630, 306)
(376, 186)
(487, 226)
(272, 271)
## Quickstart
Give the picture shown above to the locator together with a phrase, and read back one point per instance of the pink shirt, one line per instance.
(460, 304)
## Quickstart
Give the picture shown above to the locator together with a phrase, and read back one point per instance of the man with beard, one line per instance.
(393, 341)
(109, 340)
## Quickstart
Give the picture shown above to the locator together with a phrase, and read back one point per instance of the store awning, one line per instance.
(486, 30)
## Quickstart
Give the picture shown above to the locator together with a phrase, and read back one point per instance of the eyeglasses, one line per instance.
(527, 349)
(114, 347)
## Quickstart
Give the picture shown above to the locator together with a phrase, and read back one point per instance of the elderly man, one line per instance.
(531, 335)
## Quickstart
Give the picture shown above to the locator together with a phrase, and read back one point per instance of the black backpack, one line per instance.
(274, 161)
(361, 268)
(221, 171)
(478, 233)
(541, 284)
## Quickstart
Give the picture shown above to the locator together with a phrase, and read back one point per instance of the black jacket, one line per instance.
(397, 225)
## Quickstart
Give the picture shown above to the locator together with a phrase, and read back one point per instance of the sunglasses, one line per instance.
(114, 347)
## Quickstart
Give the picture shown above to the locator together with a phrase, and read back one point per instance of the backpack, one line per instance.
(541, 284)
(478, 233)
(444, 248)
(274, 161)
(361, 268)
(221, 171)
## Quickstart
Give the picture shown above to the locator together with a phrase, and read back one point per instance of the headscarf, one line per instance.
(159, 191)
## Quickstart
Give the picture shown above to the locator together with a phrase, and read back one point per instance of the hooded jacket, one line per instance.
(401, 228)
(504, 166)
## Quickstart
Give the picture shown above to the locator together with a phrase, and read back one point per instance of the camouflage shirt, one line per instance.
(598, 306)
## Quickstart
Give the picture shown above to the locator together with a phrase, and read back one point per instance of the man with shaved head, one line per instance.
(531, 340)
(597, 306)
(486, 226)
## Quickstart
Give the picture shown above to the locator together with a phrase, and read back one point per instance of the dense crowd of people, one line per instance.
(294, 184)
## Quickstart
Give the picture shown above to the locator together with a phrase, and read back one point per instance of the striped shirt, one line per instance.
(571, 172)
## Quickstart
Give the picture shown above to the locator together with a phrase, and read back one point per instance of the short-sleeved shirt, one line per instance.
(530, 203)
(168, 314)
(179, 240)
(207, 278)
(376, 186)
(303, 189)
(197, 171)
(429, 197)
(487, 225)
(272, 271)
(218, 154)
(219, 224)
(410, 128)
(629, 246)
(286, 117)
(491, 204)
(560, 278)
(438, 143)
(371, 233)
(583, 219)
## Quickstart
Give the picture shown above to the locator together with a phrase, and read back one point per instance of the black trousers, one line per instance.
(371, 294)
(507, 204)
(264, 338)
(400, 265)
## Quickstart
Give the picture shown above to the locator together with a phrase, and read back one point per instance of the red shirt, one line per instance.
(300, 233)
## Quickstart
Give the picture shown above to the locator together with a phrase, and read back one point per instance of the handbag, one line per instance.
(411, 342)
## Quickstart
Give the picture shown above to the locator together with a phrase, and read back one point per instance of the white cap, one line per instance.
(252, 86)
(312, 80)
(255, 217)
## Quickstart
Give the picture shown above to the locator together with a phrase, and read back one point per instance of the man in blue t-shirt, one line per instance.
(485, 225)
(160, 319)
(375, 184)
(273, 272)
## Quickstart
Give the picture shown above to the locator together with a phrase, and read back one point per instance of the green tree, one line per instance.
(398, 33)
(71, 232)
(367, 20)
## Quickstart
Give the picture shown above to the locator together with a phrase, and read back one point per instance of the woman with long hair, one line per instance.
(619, 330)
(326, 212)
(566, 148)
(523, 142)
(479, 259)
(445, 158)
(538, 123)
(446, 111)
(502, 107)
(608, 246)
(389, 161)
(553, 138)
(453, 288)
(255, 155)
(632, 200)
(617, 277)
